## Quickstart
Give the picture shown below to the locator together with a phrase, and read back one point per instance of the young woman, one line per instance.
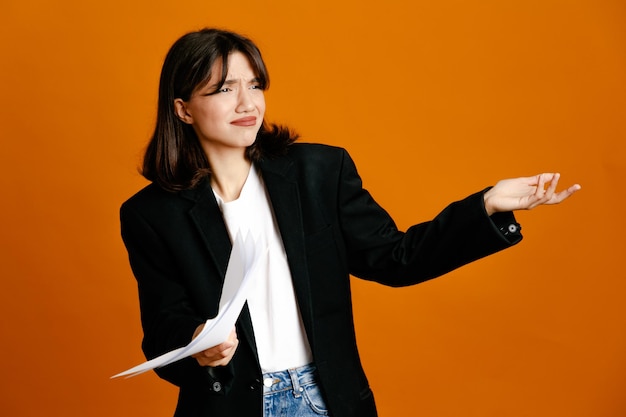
(217, 168)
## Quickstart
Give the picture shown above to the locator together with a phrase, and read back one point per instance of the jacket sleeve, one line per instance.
(167, 317)
(377, 250)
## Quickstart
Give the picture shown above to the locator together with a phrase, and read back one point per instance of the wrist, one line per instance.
(487, 200)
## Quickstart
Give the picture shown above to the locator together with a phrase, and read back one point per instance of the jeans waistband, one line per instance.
(289, 379)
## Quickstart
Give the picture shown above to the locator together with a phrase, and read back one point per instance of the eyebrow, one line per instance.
(232, 81)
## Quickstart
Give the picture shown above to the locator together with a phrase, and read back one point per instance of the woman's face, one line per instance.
(227, 119)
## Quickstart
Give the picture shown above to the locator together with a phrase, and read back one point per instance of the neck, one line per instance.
(228, 175)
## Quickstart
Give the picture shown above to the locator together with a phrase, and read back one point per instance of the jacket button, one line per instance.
(255, 384)
(217, 386)
(511, 229)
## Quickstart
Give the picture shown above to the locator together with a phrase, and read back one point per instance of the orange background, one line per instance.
(434, 100)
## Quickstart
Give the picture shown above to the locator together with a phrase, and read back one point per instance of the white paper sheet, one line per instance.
(239, 273)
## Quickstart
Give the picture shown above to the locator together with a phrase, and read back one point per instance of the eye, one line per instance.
(218, 91)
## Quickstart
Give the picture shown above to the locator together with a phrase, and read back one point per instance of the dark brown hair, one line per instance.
(174, 158)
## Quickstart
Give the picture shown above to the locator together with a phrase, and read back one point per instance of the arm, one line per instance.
(168, 318)
(377, 250)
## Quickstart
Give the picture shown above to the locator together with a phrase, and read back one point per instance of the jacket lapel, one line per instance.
(282, 187)
(207, 217)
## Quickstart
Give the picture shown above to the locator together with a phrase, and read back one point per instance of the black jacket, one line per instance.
(331, 227)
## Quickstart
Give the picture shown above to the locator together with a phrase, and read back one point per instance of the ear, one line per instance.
(180, 108)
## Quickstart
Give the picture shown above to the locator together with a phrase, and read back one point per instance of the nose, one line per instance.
(245, 103)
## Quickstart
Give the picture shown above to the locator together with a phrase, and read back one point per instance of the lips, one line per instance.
(244, 121)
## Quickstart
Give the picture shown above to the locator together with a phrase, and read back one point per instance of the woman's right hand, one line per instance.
(219, 355)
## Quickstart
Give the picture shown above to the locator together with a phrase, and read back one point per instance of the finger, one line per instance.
(213, 362)
(566, 193)
(224, 348)
(541, 184)
(538, 197)
(574, 188)
(552, 187)
(545, 195)
(216, 351)
(224, 358)
(220, 350)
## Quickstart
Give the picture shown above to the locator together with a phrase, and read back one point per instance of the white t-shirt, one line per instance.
(280, 337)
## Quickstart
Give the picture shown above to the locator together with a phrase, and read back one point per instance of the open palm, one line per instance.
(526, 193)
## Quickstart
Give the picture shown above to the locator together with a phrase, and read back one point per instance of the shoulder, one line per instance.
(148, 192)
(151, 196)
(306, 159)
(304, 149)
(317, 155)
(312, 164)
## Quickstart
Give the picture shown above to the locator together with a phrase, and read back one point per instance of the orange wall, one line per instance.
(434, 100)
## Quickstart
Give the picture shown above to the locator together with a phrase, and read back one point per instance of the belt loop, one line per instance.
(297, 389)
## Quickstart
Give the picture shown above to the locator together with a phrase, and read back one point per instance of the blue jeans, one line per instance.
(293, 393)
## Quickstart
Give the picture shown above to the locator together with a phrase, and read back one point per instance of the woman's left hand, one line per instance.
(526, 193)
